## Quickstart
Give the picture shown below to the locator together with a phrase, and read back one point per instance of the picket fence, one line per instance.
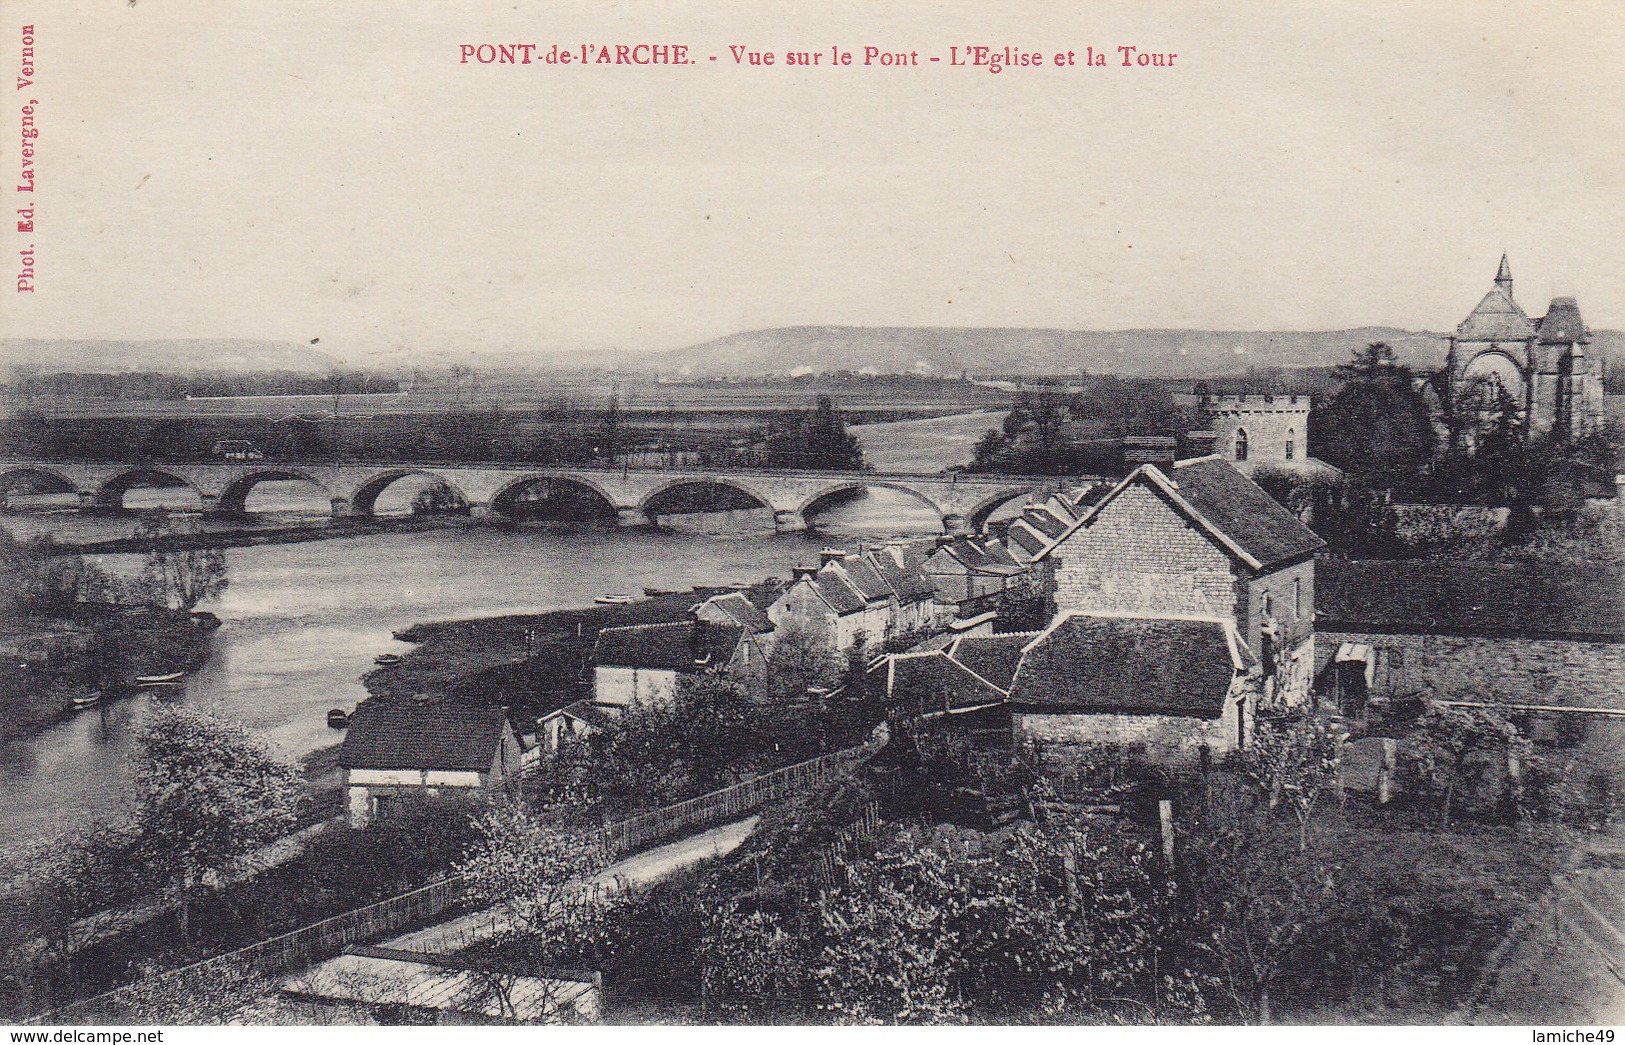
(328, 937)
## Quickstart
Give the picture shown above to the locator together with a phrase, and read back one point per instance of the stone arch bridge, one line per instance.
(964, 502)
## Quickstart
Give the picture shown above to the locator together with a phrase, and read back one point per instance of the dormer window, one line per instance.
(1291, 447)
(1241, 444)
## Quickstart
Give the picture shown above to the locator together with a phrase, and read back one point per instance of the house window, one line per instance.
(1297, 597)
(1291, 449)
(1396, 660)
(1269, 605)
(1241, 444)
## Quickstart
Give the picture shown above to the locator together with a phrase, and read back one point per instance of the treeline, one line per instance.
(560, 433)
(1053, 431)
(157, 385)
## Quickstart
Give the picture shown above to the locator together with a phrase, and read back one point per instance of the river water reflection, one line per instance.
(303, 621)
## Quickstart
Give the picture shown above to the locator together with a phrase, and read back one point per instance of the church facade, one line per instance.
(1541, 364)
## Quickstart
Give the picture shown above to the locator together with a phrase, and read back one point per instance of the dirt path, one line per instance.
(643, 869)
(1569, 967)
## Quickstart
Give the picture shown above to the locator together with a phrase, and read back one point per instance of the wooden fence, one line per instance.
(722, 806)
(330, 936)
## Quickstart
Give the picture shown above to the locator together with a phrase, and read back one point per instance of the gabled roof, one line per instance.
(1562, 323)
(741, 610)
(1130, 665)
(865, 578)
(1030, 540)
(684, 646)
(598, 716)
(1496, 318)
(932, 682)
(835, 588)
(978, 559)
(1044, 521)
(1232, 509)
(418, 733)
(910, 585)
(993, 657)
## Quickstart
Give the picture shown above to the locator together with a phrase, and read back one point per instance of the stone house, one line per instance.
(581, 720)
(1506, 633)
(642, 663)
(735, 609)
(394, 748)
(872, 593)
(974, 573)
(1173, 686)
(1200, 541)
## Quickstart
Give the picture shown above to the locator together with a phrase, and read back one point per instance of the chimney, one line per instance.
(829, 555)
(802, 573)
(1200, 444)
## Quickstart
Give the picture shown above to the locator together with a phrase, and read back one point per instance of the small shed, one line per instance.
(422, 746)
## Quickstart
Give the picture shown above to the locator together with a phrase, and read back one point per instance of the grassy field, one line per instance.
(927, 445)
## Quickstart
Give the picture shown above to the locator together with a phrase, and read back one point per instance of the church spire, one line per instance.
(1503, 278)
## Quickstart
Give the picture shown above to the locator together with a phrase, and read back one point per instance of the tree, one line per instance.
(801, 659)
(182, 576)
(533, 866)
(1265, 897)
(1440, 751)
(1377, 426)
(827, 443)
(208, 793)
(1294, 765)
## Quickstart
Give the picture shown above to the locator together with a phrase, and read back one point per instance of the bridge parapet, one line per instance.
(963, 501)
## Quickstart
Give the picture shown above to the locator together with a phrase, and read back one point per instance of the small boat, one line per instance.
(615, 599)
(388, 660)
(87, 699)
(337, 719)
(147, 681)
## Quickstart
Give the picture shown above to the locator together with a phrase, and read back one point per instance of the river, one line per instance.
(302, 622)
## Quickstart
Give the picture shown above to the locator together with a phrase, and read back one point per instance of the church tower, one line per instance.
(1503, 278)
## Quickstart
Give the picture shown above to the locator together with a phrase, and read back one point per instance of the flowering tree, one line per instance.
(208, 793)
(183, 576)
(533, 866)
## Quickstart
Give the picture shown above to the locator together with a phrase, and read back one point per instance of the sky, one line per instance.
(293, 170)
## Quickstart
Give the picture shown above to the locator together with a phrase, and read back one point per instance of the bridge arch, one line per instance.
(364, 500)
(984, 509)
(504, 499)
(110, 495)
(812, 505)
(234, 498)
(647, 505)
(35, 477)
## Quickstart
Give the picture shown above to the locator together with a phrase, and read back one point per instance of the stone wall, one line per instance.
(1172, 739)
(1269, 421)
(1519, 670)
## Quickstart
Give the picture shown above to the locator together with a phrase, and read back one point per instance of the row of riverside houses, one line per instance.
(876, 595)
(1184, 601)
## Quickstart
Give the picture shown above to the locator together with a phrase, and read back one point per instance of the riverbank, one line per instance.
(51, 661)
(532, 662)
(327, 529)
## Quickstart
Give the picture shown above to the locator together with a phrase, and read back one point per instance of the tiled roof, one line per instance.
(1029, 539)
(1044, 522)
(1129, 665)
(841, 594)
(1241, 509)
(742, 611)
(865, 578)
(1512, 600)
(927, 683)
(1496, 318)
(910, 584)
(418, 733)
(993, 657)
(684, 646)
(1562, 323)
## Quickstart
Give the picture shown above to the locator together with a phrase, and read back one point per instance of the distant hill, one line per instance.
(997, 350)
(234, 355)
